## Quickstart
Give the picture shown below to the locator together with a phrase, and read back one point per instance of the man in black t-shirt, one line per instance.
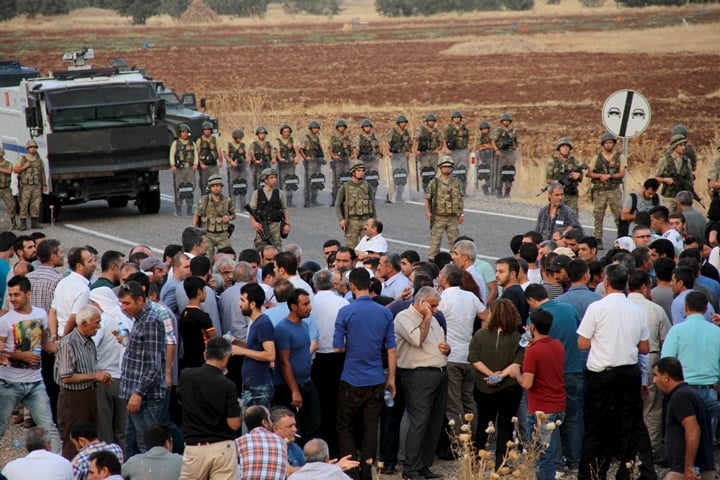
(506, 272)
(195, 326)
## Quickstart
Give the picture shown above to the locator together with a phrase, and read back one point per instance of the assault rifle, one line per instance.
(564, 179)
(683, 184)
(265, 235)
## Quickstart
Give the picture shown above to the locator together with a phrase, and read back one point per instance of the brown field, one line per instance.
(551, 68)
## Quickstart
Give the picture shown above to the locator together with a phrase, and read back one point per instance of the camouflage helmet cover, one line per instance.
(238, 133)
(366, 123)
(31, 143)
(506, 116)
(207, 125)
(215, 180)
(456, 114)
(314, 124)
(268, 172)
(341, 123)
(184, 127)
(607, 136)
(445, 160)
(284, 126)
(680, 129)
(564, 141)
(430, 117)
(401, 119)
(355, 165)
(260, 130)
(676, 140)
(484, 124)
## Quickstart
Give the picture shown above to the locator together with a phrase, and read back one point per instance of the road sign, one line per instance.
(626, 113)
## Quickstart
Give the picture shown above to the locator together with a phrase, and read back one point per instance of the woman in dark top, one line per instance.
(712, 229)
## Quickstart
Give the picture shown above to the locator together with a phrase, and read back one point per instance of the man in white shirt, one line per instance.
(373, 242)
(72, 292)
(391, 270)
(660, 223)
(40, 462)
(464, 255)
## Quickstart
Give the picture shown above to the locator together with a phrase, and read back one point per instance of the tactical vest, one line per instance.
(484, 139)
(669, 170)
(400, 142)
(237, 152)
(313, 149)
(446, 196)
(33, 174)
(560, 168)
(271, 209)
(606, 167)
(457, 138)
(207, 149)
(4, 177)
(262, 152)
(184, 154)
(341, 146)
(369, 145)
(428, 139)
(506, 139)
(357, 200)
(212, 213)
(287, 149)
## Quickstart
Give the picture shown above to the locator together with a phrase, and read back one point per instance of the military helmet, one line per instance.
(430, 117)
(484, 124)
(456, 114)
(215, 180)
(341, 123)
(31, 143)
(284, 126)
(401, 119)
(355, 165)
(506, 116)
(676, 140)
(184, 127)
(238, 133)
(366, 123)
(313, 124)
(267, 172)
(445, 160)
(606, 137)
(207, 125)
(260, 130)
(680, 130)
(564, 141)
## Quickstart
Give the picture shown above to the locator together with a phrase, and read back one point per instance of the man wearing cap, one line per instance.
(155, 269)
(208, 155)
(674, 164)
(31, 183)
(557, 276)
(6, 170)
(286, 157)
(456, 138)
(556, 216)
(444, 206)
(399, 147)
(505, 141)
(428, 144)
(606, 173)
(563, 168)
(354, 204)
(270, 212)
(237, 161)
(183, 163)
(214, 213)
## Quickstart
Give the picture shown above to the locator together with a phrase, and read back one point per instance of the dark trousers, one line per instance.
(614, 424)
(308, 418)
(425, 392)
(48, 375)
(502, 404)
(74, 406)
(234, 373)
(365, 402)
(326, 371)
(390, 427)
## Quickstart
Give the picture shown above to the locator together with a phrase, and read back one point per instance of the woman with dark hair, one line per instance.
(493, 351)
(712, 229)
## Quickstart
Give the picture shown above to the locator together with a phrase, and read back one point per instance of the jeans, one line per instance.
(35, 399)
(571, 431)
(550, 441)
(260, 395)
(709, 397)
(151, 412)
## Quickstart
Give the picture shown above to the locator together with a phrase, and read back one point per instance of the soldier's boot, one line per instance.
(35, 222)
(14, 223)
(486, 190)
(507, 192)
(288, 199)
(178, 211)
(23, 225)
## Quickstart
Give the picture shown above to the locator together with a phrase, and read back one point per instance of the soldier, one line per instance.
(287, 156)
(714, 177)
(428, 144)
(261, 155)
(208, 154)
(674, 164)
(444, 206)
(564, 168)
(457, 137)
(399, 147)
(237, 161)
(268, 212)
(6, 170)
(183, 163)
(485, 157)
(31, 183)
(367, 150)
(689, 150)
(354, 204)
(606, 173)
(214, 213)
(505, 143)
(341, 151)
(312, 153)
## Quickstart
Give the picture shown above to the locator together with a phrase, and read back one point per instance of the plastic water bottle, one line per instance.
(16, 443)
(37, 349)
(229, 337)
(124, 334)
(389, 400)
(494, 379)
(525, 339)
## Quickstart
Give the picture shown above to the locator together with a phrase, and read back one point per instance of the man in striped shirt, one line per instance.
(261, 453)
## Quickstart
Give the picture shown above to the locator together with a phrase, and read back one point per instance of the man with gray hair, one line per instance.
(232, 319)
(463, 255)
(556, 216)
(40, 462)
(317, 463)
(694, 220)
(395, 282)
(225, 267)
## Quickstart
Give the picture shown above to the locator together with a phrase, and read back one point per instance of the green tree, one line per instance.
(32, 8)
(518, 4)
(239, 8)
(174, 8)
(139, 10)
(8, 10)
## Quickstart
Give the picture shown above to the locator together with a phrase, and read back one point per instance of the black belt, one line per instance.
(704, 387)
(424, 369)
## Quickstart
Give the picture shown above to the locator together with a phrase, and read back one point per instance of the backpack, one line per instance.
(624, 225)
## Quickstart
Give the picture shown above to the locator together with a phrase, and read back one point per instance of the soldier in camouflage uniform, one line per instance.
(444, 206)
(399, 147)
(368, 151)
(237, 171)
(208, 155)
(484, 153)
(214, 213)
(689, 150)
(457, 139)
(6, 170)
(31, 183)
(354, 204)
(505, 142)
(714, 177)
(269, 212)
(261, 155)
(565, 165)
(427, 147)
(606, 173)
(314, 158)
(286, 157)
(341, 151)
(674, 163)
(183, 163)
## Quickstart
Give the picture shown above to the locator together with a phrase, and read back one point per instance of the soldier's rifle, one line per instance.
(683, 184)
(265, 235)
(564, 179)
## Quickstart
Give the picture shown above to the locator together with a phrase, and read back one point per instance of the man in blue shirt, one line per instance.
(363, 330)
(682, 283)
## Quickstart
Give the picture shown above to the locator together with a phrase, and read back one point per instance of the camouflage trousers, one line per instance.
(602, 199)
(340, 169)
(397, 167)
(184, 177)
(235, 174)
(10, 203)
(427, 161)
(440, 225)
(203, 177)
(670, 203)
(275, 237)
(572, 202)
(372, 164)
(461, 160)
(507, 158)
(30, 197)
(215, 241)
(354, 230)
(313, 166)
(285, 169)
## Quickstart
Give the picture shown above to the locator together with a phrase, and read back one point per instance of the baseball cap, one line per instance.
(565, 251)
(560, 262)
(149, 263)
